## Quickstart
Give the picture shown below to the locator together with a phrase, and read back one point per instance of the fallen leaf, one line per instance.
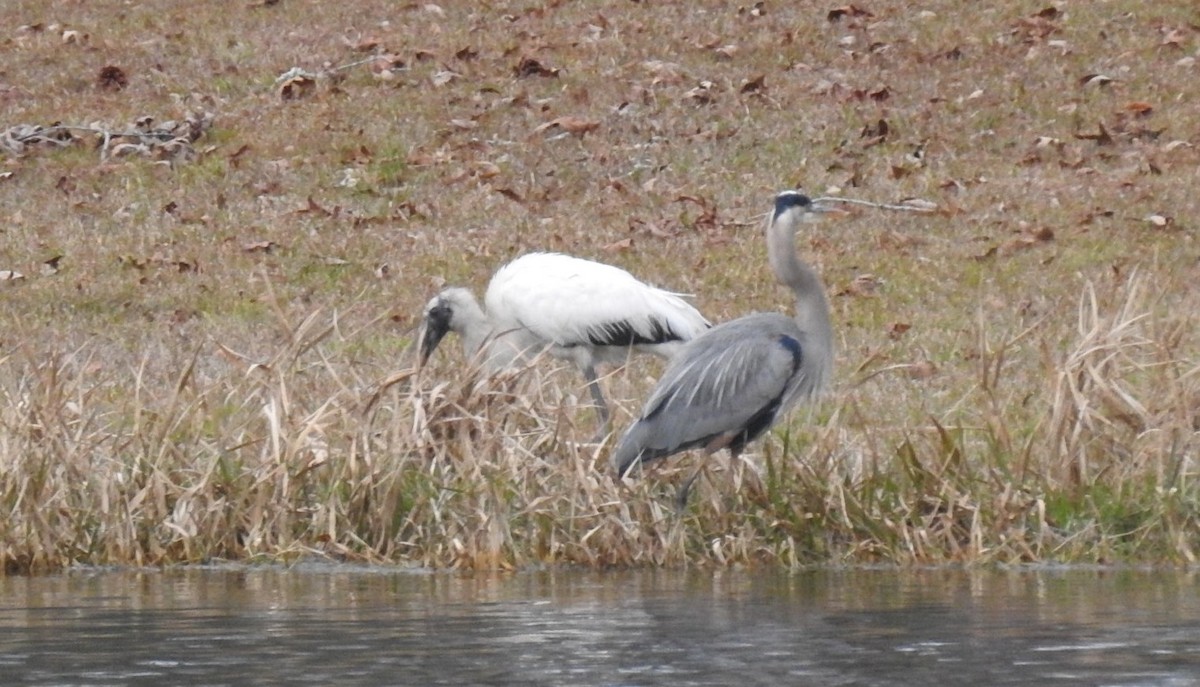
(755, 85)
(296, 87)
(1174, 38)
(10, 276)
(1102, 137)
(838, 13)
(1095, 80)
(510, 194)
(922, 370)
(726, 52)
(528, 66)
(111, 78)
(703, 94)
(443, 77)
(618, 246)
(259, 246)
(875, 133)
(1139, 108)
(863, 285)
(367, 44)
(577, 126)
(1159, 220)
(897, 329)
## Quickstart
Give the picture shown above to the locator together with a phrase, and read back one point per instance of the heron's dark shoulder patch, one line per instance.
(791, 345)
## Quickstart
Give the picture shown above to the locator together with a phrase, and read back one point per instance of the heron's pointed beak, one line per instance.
(437, 323)
(825, 207)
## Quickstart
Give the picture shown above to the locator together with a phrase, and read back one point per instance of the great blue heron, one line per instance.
(578, 310)
(726, 387)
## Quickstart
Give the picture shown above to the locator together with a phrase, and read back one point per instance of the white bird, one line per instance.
(586, 312)
(726, 387)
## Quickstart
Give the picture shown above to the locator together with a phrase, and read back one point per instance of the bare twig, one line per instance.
(916, 204)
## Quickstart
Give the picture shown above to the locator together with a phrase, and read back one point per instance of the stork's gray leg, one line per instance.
(593, 384)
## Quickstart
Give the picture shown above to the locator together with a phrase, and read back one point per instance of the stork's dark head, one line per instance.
(440, 319)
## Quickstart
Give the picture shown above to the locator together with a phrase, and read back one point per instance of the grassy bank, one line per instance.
(204, 349)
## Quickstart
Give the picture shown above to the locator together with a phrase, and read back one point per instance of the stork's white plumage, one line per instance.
(575, 309)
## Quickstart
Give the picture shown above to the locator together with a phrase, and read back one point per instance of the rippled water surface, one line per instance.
(378, 626)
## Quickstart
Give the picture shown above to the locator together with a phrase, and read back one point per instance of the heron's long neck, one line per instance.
(812, 307)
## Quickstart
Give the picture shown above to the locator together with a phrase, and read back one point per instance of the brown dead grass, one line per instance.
(207, 358)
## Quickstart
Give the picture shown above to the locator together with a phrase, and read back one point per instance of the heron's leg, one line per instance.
(721, 441)
(589, 372)
(681, 496)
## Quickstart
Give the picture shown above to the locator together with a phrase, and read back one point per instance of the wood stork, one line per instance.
(578, 310)
(726, 387)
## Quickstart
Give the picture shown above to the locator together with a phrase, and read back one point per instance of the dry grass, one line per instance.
(205, 355)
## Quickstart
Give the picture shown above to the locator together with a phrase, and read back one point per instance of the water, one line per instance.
(326, 625)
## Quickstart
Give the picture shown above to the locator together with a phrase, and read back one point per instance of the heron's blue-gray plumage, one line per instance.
(728, 384)
(726, 387)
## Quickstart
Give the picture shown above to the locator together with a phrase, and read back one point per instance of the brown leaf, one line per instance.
(111, 78)
(922, 370)
(577, 126)
(619, 246)
(708, 211)
(897, 329)
(1139, 108)
(484, 169)
(299, 86)
(50, 265)
(838, 13)
(863, 286)
(1043, 234)
(1102, 137)
(875, 133)
(755, 85)
(703, 94)
(313, 208)
(510, 194)
(528, 66)
(259, 246)
(366, 44)
(1095, 80)
(987, 255)
(1174, 38)
(71, 36)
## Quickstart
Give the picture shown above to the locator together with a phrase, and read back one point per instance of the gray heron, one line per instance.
(726, 387)
(586, 312)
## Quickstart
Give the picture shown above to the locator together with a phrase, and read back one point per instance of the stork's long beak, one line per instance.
(437, 323)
